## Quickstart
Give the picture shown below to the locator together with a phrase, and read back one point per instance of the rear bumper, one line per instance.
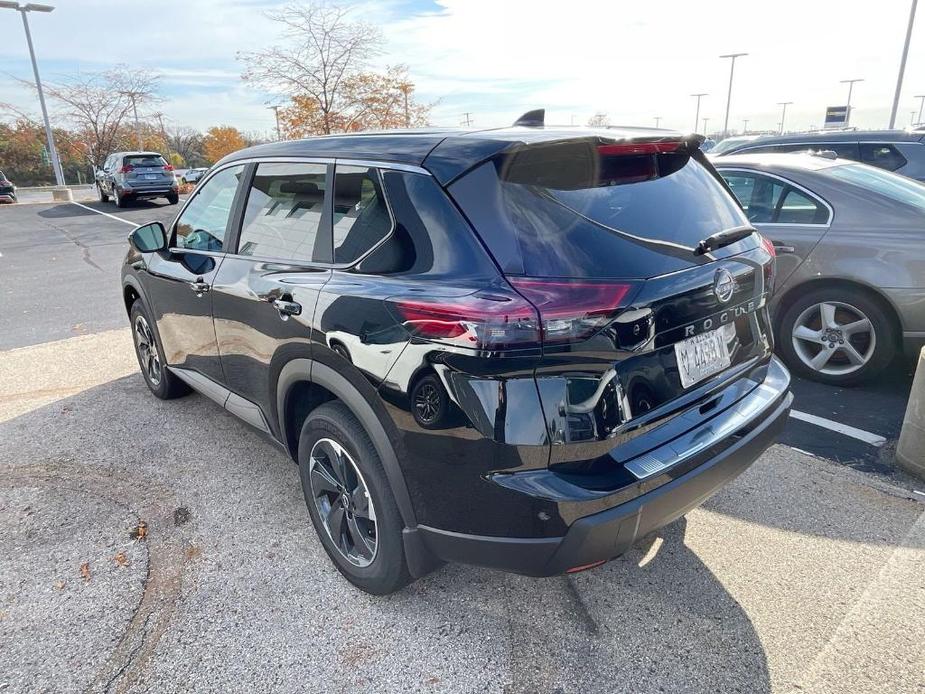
(608, 534)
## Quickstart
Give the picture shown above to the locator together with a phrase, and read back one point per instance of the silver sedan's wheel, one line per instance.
(834, 338)
(147, 351)
(343, 503)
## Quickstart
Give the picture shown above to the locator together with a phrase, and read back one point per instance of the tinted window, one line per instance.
(285, 206)
(430, 238)
(204, 221)
(797, 208)
(142, 160)
(896, 187)
(883, 156)
(768, 200)
(845, 150)
(361, 217)
(573, 210)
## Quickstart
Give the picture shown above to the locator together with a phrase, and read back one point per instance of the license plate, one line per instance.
(151, 177)
(702, 355)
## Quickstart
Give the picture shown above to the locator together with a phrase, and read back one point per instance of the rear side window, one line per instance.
(882, 156)
(143, 160)
(361, 216)
(893, 186)
(769, 200)
(285, 206)
(573, 210)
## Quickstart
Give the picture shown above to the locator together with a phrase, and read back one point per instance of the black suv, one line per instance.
(524, 348)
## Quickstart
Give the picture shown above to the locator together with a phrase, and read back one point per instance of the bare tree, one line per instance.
(598, 120)
(98, 105)
(322, 49)
(187, 142)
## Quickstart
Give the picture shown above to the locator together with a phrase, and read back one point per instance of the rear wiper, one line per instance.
(723, 238)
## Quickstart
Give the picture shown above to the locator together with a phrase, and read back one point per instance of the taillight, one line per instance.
(636, 148)
(771, 266)
(128, 168)
(168, 167)
(484, 320)
(768, 246)
(572, 310)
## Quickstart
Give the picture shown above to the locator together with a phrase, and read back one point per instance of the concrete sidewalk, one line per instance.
(801, 576)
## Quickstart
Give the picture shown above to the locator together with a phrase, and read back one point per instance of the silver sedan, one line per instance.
(850, 242)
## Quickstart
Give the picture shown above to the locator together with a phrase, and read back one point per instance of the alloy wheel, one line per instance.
(427, 403)
(834, 338)
(147, 351)
(343, 503)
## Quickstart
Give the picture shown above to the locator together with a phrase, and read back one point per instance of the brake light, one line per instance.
(128, 168)
(478, 321)
(636, 148)
(768, 246)
(572, 310)
(168, 167)
(771, 266)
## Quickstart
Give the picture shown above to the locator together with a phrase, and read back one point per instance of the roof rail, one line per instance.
(532, 119)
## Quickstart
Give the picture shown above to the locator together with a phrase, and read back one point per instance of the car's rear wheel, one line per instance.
(118, 199)
(838, 335)
(150, 356)
(350, 501)
(99, 191)
(173, 198)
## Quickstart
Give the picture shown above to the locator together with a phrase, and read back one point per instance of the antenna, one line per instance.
(532, 119)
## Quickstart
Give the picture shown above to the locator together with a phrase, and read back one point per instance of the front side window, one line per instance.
(361, 216)
(882, 156)
(203, 223)
(282, 218)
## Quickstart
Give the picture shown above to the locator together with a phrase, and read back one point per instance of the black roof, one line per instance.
(445, 152)
(831, 136)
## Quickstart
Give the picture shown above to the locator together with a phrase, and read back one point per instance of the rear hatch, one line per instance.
(640, 320)
(146, 170)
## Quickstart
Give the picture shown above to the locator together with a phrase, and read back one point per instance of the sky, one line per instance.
(495, 59)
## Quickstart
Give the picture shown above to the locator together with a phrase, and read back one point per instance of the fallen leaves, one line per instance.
(85, 571)
(59, 584)
(139, 532)
(120, 558)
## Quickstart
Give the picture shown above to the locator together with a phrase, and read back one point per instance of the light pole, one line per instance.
(23, 9)
(745, 126)
(783, 113)
(850, 84)
(275, 110)
(657, 120)
(921, 97)
(697, 114)
(902, 64)
(705, 121)
(133, 96)
(732, 69)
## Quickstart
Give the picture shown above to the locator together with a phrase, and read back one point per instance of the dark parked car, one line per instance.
(523, 348)
(850, 259)
(7, 189)
(901, 151)
(127, 176)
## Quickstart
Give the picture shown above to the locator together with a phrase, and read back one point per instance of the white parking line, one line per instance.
(105, 214)
(859, 434)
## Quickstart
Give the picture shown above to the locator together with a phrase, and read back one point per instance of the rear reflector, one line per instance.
(168, 167)
(572, 310)
(585, 567)
(637, 148)
(128, 168)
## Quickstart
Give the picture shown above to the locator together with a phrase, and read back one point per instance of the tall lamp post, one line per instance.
(732, 69)
(850, 84)
(697, 114)
(921, 98)
(783, 113)
(658, 119)
(902, 64)
(23, 10)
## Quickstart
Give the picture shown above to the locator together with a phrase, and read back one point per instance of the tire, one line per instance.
(118, 199)
(173, 199)
(164, 385)
(103, 197)
(429, 402)
(379, 570)
(854, 355)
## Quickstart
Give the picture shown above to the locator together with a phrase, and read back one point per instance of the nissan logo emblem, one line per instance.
(724, 285)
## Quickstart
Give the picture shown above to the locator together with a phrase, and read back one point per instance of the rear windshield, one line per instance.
(572, 210)
(893, 186)
(141, 160)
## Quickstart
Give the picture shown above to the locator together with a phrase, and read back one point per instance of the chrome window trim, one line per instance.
(802, 189)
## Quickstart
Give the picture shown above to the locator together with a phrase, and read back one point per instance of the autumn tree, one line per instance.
(220, 141)
(322, 49)
(24, 155)
(188, 143)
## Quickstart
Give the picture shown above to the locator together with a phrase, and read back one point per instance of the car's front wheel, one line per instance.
(99, 191)
(159, 380)
(838, 335)
(350, 501)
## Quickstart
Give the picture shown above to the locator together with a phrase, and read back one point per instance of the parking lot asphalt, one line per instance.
(803, 575)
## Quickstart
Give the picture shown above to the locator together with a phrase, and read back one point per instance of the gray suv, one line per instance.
(900, 151)
(128, 176)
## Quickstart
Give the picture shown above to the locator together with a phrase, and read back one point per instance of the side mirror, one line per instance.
(149, 238)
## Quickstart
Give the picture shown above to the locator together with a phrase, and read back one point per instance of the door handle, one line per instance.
(199, 286)
(781, 248)
(287, 308)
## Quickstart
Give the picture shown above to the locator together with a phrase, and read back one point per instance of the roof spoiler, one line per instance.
(532, 119)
